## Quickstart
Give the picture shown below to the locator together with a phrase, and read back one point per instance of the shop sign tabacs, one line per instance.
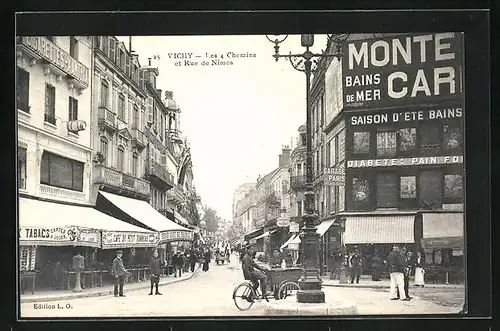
(402, 70)
(54, 234)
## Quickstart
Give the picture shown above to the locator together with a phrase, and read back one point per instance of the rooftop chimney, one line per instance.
(284, 158)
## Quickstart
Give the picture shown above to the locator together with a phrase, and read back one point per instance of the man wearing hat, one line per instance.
(119, 272)
(355, 263)
(155, 269)
(252, 271)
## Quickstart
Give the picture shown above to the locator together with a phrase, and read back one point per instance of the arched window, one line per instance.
(135, 164)
(120, 158)
(104, 148)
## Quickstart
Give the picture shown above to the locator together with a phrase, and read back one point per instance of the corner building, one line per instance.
(404, 156)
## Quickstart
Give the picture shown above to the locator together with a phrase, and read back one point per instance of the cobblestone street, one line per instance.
(209, 294)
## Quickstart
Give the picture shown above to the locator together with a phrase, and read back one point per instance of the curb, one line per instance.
(102, 293)
(388, 287)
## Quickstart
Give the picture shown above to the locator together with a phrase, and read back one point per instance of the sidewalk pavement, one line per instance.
(53, 295)
(366, 282)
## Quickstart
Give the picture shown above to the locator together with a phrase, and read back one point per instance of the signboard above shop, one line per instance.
(399, 116)
(334, 176)
(401, 162)
(283, 222)
(402, 70)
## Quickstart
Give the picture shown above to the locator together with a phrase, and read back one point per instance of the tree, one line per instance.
(211, 218)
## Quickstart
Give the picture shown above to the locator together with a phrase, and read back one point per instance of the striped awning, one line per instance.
(324, 226)
(265, 234)
(292, 237)
(390, 229)
(443, 225)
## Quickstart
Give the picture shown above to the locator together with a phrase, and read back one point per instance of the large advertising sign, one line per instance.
(402, 70)
(116, 239)
(59, 236)
(168, 236)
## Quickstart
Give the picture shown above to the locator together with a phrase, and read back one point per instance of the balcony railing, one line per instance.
(298, 182)
(119, 180)
(41, 47)
(157, 170)
(106, 118)
(138, 138)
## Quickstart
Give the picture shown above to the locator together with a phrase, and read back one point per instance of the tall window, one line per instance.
(120, 158)
(361, 142)
(333, 198)
(407, 139)
(360, 193)
(453, 186)
(21, 167)
(329, 162)
(104, 94)
(135, 164)
(333, 152)
(430, 189)
(299, 208)
(121, 107)
(299, 169)
(72, 109)
(61, 172)
(340, 146)
(429, 138)
(452, 135)
(386, 143)
(387, 189)
(22, 90)
(104, 148)
(73, 47)
(136, 120)
(50, 104)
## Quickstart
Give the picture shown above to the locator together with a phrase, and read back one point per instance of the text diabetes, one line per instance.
(401, 53)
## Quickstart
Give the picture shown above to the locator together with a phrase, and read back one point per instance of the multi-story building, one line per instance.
(403, 157)
(239, 194)
(298, 176)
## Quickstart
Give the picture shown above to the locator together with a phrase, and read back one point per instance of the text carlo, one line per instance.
(402, 70)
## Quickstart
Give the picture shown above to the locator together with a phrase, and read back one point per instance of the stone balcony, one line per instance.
(177, 195)
(106, 119)
(138, 138)
(120, 182)
(158, 175)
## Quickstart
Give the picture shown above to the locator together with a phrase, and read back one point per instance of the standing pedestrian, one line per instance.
(377, 265)
(407, 256)
(396, 263)
(206, 259)
(180, 264)
(119, 272)
(155, 269)
(419, 270)
(193, 257)
(356, 265)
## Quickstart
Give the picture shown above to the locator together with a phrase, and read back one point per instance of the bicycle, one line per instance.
(249, 295)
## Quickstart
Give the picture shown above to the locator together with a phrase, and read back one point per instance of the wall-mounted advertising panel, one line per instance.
(402, 70)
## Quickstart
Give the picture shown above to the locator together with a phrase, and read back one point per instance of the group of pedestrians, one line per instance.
(400, 263)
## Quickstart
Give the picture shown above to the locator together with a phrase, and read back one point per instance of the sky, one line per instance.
(236, 117)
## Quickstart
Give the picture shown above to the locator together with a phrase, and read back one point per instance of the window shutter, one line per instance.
(113, 102)
(112, 49)
(127, 64)
(150, 110)
(70, 109)
(75, 109)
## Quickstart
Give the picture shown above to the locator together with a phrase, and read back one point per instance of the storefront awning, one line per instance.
(442, 225)
(390, 229)
(292, 237)
(56, 224)
(253, 234)
(145, 214)
(324, 226)
(265, 234)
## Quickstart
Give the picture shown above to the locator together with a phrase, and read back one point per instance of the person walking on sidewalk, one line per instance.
(119, 272)
(193, 257)
(419, 270)
(396, 263)
(377, 265)
(155, 269)
(356, 264)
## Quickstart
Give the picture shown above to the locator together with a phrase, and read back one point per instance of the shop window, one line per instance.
(61, 172)
(407, 139)
(452, 135)
(361, 142)
(360, 193)
(430, 189)
(387, 189)
(453, 186)
(22, 90)
(408, 187)
(429, 138)
(386, 143)
(21, 167)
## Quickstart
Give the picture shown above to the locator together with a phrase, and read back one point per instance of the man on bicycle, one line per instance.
(252, 271)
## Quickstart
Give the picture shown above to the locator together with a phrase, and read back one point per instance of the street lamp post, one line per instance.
(307, 62)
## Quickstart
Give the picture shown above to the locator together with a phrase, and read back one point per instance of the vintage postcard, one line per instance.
(241, 175)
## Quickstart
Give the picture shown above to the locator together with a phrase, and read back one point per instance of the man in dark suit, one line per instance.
(408, 258)
(155, 269)
(119, 272)
(356, 265)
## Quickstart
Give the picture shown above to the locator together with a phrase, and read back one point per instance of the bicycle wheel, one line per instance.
(244, 296)
(288, 289)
